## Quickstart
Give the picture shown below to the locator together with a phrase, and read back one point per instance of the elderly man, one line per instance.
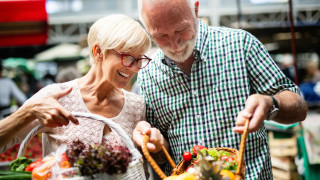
(205, 81)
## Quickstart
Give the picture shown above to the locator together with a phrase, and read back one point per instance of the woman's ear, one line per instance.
(97, 53)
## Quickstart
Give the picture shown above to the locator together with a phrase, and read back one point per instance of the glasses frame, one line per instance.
(135, 59)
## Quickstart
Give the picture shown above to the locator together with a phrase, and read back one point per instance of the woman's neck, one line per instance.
(94, 84)
(100, 96)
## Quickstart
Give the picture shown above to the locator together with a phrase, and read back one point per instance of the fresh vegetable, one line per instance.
(43, 167)
(196, 161)
(195, 147)
(224, 158)
(99, 158)
(43, 171)
(228, 162)
(33, 165)
(17, 175)
(226, 174)
(64, 157)
(33, 150)
(187, 156)
(20, 164)
(215, 153)
(209, 162)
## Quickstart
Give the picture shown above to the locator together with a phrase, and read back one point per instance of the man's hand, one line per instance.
(156, 140)
(49, 111)
(256, 110)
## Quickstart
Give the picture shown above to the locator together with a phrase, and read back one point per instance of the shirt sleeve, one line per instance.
(264, 74)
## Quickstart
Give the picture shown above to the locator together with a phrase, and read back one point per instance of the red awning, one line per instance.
(23, 22)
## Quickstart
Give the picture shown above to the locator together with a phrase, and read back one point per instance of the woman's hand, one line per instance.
(156, 140)
(49, 111)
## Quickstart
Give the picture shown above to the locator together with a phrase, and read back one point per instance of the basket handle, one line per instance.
(114, 126)
(242, 146)
(151, 160)
(32, 133)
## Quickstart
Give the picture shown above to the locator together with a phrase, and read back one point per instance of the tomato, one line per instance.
(231, 159)
(28, 168)
(187, 156)
(34, 165)
(64, 157)
(194, 149)
(64, 164)
(195, 161)
(224, 158)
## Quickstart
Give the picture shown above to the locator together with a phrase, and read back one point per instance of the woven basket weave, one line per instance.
(135, 169)
(183, 165)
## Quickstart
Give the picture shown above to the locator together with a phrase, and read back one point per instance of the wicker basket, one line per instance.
(183, 165)
(135, 169)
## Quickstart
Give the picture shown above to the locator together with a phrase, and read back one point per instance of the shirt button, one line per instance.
(198, 117)
(195, 93)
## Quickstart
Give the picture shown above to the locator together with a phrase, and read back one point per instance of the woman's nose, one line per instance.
(134, 67)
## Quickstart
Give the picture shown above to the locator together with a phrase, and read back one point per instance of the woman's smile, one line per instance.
(123, 74)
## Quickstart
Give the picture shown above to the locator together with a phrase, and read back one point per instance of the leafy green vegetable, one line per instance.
(214, 153)
(230, 165)
(20, 164)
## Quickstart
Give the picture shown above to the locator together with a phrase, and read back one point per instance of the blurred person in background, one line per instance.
(310, 88)
(9, 90)
(117, 45)
(313, 72)
(67, 74)
(46, 80)
(205, 82)
(286, 66)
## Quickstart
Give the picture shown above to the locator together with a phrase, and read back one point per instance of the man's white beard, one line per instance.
(180, 57)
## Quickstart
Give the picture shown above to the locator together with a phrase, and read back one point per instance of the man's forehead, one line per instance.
(167, 11)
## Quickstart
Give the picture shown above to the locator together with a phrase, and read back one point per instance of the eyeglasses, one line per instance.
(128, 60)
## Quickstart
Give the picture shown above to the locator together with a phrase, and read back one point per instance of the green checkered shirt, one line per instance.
(202, 108)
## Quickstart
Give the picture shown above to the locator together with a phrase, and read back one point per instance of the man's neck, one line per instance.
(186, 66)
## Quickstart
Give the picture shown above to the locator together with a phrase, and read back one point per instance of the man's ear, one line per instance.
(196, 8)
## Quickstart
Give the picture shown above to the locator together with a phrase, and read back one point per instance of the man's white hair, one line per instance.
(140, 5)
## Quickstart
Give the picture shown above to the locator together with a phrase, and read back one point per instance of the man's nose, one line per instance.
(175, 43)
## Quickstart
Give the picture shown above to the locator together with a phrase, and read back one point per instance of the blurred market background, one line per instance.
(44, 41)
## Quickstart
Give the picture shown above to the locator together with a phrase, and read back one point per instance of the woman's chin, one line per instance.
(122, 85)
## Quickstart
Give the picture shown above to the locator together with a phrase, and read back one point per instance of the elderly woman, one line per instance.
(117, 45)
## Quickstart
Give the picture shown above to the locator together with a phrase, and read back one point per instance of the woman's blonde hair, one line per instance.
(119, 32)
